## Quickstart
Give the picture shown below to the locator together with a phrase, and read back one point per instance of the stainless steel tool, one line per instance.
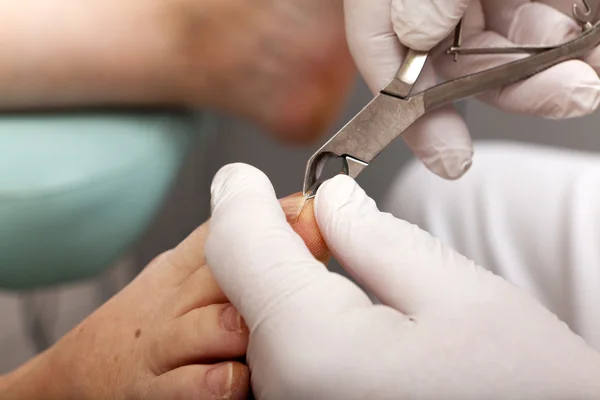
(396, 108)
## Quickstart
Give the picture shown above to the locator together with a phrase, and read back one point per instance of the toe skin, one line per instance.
(193, 382)
(200, 336)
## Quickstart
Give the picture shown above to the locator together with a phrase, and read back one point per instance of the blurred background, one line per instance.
(31, 319)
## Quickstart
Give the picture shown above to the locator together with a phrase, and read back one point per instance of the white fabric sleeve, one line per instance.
(528, 213)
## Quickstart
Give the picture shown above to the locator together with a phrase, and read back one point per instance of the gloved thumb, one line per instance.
(405, 267)
(422, 24)
(254, 253)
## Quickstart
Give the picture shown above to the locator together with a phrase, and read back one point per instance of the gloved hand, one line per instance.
(528, 213)
(379, 32)
(448, 329)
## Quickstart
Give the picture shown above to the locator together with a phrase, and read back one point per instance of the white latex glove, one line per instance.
(528, 213)
(448, 329)
(380, 30)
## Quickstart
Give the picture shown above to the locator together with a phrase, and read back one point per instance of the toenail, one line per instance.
(231, 320)
(219, 381)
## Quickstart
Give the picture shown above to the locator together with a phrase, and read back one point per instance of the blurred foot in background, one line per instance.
(283, 64)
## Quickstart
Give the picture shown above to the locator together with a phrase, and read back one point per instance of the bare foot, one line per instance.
(170, 334)
(283, 64)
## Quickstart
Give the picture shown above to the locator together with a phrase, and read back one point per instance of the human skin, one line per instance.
(283, 65)
(163, 336)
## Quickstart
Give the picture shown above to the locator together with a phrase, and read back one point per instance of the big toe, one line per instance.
(202, 382)
(301, 216)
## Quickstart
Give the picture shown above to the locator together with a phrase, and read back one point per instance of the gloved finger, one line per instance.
(441, 138)
(527, 22)
(421, 25)
(544, 23)
(442, 142)
(567, 90)
(199, 288)
(377, 50)
(474, 20)
(540, 23)
(402, 265)
(564, 6)
(372, 42)
(261, 264)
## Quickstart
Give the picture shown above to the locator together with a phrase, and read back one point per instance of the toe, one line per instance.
(213, 333)
(300, 215)
(220, 381)
(199, 290)
(188, 256)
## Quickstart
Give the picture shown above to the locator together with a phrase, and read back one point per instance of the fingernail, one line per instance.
(231, 320)
(219, 381)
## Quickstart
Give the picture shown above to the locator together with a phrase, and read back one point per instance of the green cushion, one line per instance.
(78, 190)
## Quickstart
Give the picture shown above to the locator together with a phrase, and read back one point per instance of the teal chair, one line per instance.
(76, 191)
